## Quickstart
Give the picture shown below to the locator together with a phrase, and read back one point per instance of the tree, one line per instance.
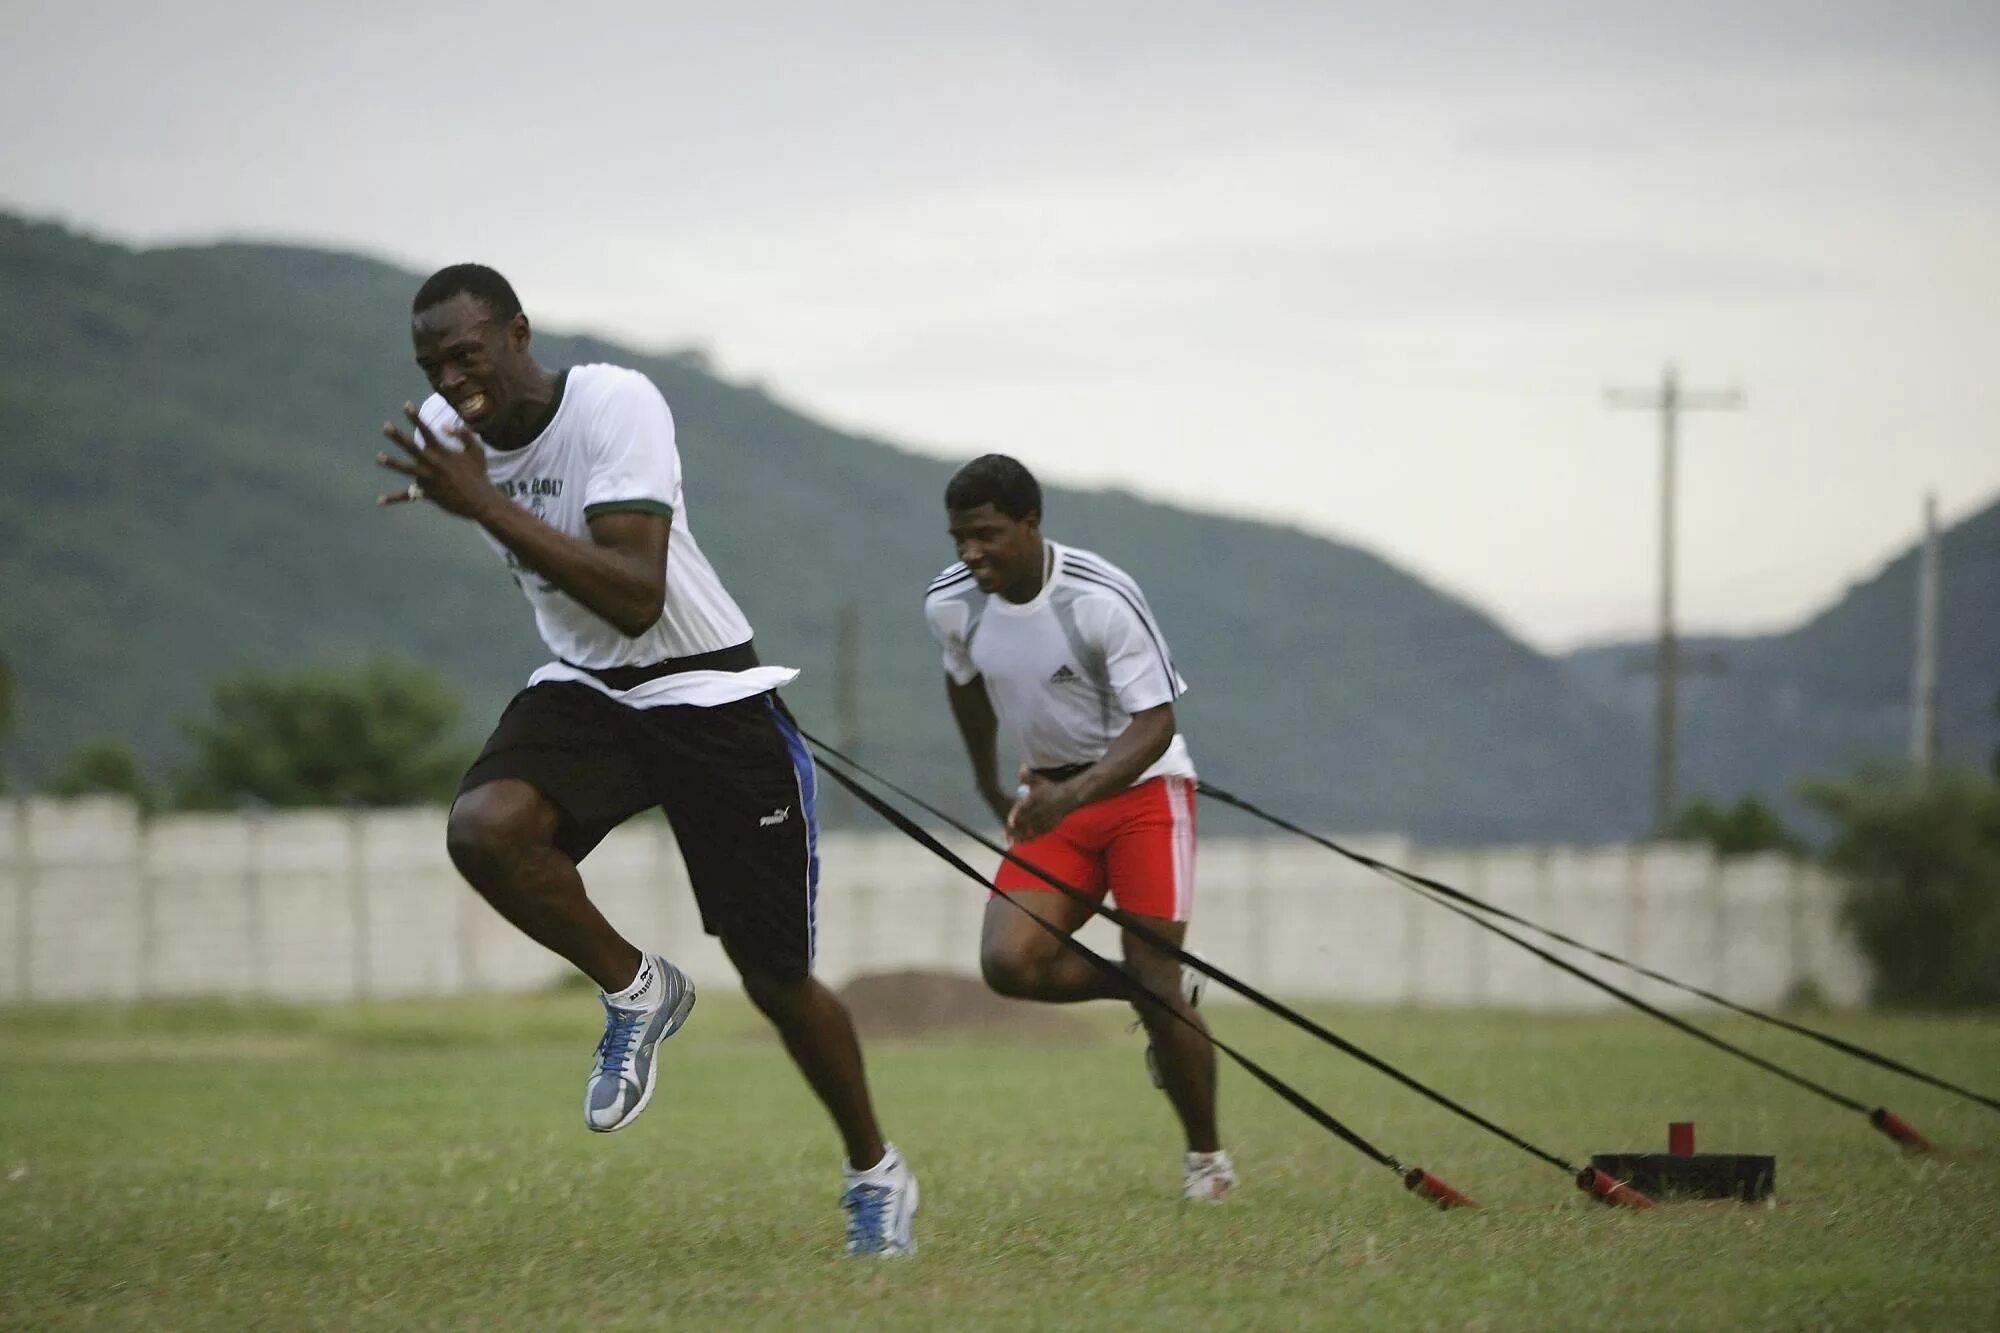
(1744, 829)
(102, 766)
(380, 735)
(1921, 862)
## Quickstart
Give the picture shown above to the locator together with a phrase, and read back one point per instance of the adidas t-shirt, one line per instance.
(1065, 671)
(609, 448)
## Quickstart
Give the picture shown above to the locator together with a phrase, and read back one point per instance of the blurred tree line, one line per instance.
(1919, 857)
(1744, 829)
(379, 735)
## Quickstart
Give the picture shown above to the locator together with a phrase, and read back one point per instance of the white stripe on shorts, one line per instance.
(1180, 802)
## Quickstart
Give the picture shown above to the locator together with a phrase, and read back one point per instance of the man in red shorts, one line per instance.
(1059, 646)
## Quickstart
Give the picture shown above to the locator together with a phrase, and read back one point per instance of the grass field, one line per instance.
(405, 1165)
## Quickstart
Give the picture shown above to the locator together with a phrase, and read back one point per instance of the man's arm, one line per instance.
(979, 728)
(620, 573)
(1145, 738)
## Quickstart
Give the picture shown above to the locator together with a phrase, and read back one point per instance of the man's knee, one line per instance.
(1157, 977)
(495, 827)
(1011, 971)
(778, 989)
(1156, 999)
(779, 996)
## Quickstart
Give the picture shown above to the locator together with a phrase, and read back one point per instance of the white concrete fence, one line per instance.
(96, 902)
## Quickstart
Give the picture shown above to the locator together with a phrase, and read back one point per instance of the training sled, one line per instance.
(1683, 1173)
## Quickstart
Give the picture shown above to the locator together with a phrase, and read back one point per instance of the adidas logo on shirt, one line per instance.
(1063, 675)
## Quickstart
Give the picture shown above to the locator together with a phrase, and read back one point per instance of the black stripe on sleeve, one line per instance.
(1145, 622)
(1098, 566)
(946, 585)
(954, 574)
(1118, 579)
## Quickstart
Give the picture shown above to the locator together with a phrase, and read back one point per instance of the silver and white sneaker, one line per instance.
(621, 1082)
(1193, 983)
(1210, 1177)
(881, 1205)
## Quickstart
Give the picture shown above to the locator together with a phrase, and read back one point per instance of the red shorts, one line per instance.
(1138, 845)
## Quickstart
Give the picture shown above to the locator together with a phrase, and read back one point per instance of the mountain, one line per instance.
(1834, 691)
(188, 469)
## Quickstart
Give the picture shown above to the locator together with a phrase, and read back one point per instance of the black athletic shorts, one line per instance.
(735, 781)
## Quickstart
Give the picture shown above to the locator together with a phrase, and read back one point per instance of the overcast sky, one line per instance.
(1368, 269)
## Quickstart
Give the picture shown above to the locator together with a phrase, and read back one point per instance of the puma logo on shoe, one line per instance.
(776, 817)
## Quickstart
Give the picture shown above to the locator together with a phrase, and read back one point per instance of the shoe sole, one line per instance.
(674, 1022)
(908, 1221)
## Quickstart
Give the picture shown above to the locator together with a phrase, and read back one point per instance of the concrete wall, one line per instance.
(96, 902)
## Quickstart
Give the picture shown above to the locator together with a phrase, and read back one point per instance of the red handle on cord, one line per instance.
(1428, 1185)
(1601, 1186)
(1899, 1129)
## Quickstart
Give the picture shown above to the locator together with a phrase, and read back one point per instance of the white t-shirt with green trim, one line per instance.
(610, 448)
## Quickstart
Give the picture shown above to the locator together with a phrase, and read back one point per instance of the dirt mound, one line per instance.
(942, 1004)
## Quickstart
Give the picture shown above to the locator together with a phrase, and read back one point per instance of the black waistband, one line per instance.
(1060, 773)
(741, 657)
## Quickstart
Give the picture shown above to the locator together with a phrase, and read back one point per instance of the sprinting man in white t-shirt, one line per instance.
(1057, 647)
(656, 698)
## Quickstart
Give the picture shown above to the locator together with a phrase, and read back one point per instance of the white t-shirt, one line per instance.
(1066, 671)
(609, 448)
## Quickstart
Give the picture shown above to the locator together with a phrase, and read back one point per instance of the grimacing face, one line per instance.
(473, 358)
(1002, 552)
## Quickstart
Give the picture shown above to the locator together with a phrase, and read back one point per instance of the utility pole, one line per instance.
(1669, 400)
(1924, 674)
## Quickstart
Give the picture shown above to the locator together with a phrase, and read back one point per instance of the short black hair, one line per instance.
(472, 280)
(997, 480)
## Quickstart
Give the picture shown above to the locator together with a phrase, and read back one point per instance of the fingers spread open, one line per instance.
(400, 440)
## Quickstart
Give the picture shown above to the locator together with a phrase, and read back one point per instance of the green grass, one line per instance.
(400, 1165)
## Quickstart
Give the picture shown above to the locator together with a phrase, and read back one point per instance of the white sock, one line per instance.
(879, 1169)
(645, 992)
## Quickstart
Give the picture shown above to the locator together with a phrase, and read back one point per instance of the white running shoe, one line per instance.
(621, 1082)
(1193, 983)
(1210, 1177)
(881, 1204)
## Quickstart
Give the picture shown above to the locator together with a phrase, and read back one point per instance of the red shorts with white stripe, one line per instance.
(1138, 845)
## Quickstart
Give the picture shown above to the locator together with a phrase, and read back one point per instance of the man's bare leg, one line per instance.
(1185, 1055)
(501, 836)
(1022, 961)
(818, 1032)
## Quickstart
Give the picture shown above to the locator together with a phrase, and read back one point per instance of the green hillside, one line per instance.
(1835, 690)
(188, 443)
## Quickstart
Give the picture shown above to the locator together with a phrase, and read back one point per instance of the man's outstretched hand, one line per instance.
(454, 480)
